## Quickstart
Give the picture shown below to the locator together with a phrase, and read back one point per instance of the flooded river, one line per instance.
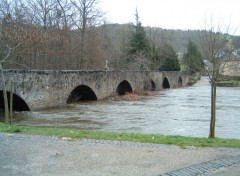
(184, 111)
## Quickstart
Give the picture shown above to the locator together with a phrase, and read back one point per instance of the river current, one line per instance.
(184, 111)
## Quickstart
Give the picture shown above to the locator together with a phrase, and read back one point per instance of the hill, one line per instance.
(178, 39)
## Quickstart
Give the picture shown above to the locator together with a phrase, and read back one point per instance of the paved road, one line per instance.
(27, 155)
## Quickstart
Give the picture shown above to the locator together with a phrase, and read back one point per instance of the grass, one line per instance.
(75, 134)
(233, 82)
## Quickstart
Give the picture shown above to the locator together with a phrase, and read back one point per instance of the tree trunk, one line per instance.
(4, 95)
(11, 103)
(213, 110)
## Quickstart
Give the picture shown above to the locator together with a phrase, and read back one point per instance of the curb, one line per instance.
(205, 168)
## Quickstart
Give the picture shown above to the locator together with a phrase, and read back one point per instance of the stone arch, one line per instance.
(149, 85)
(81, 93)
(124, 87)
(18, 103)
(180, 82)
(165, 84)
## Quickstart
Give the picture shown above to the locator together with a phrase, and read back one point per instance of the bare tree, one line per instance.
(41, 12)
(5, 55)
(4, 59)
(217, 50)
(52, 33)
(140, 61)
(122, 48)
(64, 14)
(157, 36)
(87, 16)
(157, 40)
(11, 10)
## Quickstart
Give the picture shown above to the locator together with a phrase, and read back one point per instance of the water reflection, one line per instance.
(184, 111)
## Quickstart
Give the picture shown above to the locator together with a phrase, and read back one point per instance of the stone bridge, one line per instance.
(44, 89)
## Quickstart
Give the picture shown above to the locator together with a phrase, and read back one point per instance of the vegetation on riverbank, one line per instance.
(228, 83)
(75, 134)
(194, 78)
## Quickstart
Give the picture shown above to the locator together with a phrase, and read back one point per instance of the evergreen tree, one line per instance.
(168, 59)
(139, 45)
(138, 40)
(170, 65)
(192, 59)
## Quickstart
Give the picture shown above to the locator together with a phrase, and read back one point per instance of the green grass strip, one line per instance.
(233, 82)
(76, 134)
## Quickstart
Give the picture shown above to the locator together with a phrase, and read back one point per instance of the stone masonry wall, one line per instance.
(44, 89)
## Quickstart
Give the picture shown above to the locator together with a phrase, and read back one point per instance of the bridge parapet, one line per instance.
(48, 88)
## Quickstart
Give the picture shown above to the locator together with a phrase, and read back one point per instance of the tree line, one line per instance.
(53, 34)
(73, 34)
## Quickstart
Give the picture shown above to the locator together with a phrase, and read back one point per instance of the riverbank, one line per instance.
(74, 134)
(228, 83)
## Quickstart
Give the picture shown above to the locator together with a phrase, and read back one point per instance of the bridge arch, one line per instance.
(18, 103)
(124, 87)
(165, 84)
(81, 93)
(149, 85)
(180, 82)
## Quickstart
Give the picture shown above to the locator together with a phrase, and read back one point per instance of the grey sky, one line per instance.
(174, 14)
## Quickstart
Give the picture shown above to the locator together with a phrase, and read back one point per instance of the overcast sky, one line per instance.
(174, 14)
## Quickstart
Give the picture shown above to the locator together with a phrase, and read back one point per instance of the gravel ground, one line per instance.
(27, 155)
